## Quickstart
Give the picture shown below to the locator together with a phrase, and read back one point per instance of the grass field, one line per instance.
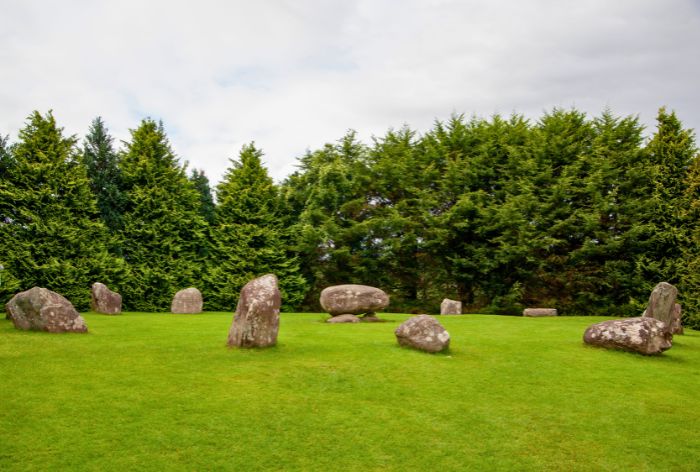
(162, 392)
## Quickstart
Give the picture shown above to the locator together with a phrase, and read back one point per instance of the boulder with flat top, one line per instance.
(353, 299)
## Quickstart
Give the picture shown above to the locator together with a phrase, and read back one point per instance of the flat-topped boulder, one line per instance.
(642, 334)
(257, 319)
(188, 300)
(40, 309)
(662, 303)
(105, 301)
(450, 307)
(353, 299)
(536, 312)
(424, 333)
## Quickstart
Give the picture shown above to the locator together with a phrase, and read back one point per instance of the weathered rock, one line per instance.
(105, 301)
(371, 319)
(423, 332)
(257, 318)
(534, 312)
(450, 307)
(353, 299)
(40, 309)
(642, 334)
(677, 320)
(346, 318)
(188, 300)
(661, 303)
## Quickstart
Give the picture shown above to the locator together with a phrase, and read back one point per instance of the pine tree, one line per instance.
(164, 236)
(201, 184)
(52, 236)
(249, 238)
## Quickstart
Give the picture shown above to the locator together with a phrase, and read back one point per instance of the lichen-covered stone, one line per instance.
(642, 334)
(188, 300)
(450, 307)
(423, 332)
(677, 320)
(353, 299)
(536, 312)
(257, 318)
(346, 318)
(662, 303)
(105, 301)
(40, 309)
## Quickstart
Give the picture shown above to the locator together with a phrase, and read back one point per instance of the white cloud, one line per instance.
(295, 74)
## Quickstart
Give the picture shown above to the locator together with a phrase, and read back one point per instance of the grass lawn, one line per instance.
(162, 392)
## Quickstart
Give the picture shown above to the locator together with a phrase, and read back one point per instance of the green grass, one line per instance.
(162, 392)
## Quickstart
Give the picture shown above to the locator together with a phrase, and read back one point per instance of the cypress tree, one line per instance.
(249, 237)
(51, 232)
(163, 237)
(206, 201)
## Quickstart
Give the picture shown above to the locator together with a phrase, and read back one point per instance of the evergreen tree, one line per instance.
(249, 238)
(101, 163)
(201, 184)
(164, 236)
(51, 232)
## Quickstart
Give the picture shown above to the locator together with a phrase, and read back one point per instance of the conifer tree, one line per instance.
(201, 184)
(163, 237)
(249, 237)
(51, 232)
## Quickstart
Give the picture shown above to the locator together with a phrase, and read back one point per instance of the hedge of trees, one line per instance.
(580, 213)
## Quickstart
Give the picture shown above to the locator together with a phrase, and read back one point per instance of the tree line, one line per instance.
(580, 213)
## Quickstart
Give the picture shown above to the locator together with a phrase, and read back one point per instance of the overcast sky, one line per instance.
(292, 75)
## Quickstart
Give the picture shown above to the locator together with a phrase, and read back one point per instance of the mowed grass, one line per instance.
(162, 392)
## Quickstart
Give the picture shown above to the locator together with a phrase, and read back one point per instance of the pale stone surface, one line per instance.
(423, 332)
(661, 304)
(105, 301)
(642, 334)
(257, 318)
(346, 318)
(40, 309)
(534, 312)
(677, 320)
(353, 299)
(450, 307)
(188, 300)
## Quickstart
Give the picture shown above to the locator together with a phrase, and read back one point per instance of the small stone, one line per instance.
(346, 318)
(105, 301)
(40, 309)
(188, 300)
(371, 319)
(257, 318)
(424, 333)
(642, 334)
(353, 299)
(450, 307)
(536, 312)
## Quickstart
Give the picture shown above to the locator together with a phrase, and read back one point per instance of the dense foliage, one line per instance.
(583, 214)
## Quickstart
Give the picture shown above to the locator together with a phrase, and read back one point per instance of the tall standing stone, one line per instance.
(40, 309)
(662, 302)
(450, 307)
(257, 318)
(188, 300)
(105, 301)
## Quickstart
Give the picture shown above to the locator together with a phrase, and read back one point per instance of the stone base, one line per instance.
(537, 312)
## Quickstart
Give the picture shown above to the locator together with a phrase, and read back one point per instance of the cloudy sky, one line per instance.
(292, 75)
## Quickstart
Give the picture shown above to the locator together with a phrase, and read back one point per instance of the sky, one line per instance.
(293, 75)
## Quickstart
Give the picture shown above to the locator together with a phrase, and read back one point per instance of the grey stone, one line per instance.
(105, 301)
(353, 299)
(424, 333)
(536, 312)
(346, 318)
(188, 300)
(677, 320)
(662, 303)
(40, 309)
(642, 334)
(450, 307)
(257, 318)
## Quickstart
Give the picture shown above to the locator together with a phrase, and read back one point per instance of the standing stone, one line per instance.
(105, 301)
(257, 318)
(40, 309)
(537, 312)
(188, 300)
(424, 333)
(353, 299)
(643, 335)
(346, 318)
(661, 303)
(450, 307)
(677, 320)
